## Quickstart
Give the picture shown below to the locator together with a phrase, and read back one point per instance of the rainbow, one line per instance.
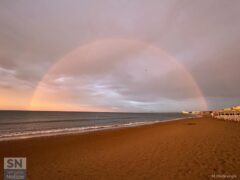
(122, 46)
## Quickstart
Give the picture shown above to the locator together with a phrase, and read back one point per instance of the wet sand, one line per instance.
(202, 148)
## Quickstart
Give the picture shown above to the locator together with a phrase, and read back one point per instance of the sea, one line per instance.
(29, 124)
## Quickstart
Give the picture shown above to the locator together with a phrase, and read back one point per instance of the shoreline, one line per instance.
(81, 130)
(186, 149)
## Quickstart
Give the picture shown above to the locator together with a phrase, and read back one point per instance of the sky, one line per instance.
(124, 56)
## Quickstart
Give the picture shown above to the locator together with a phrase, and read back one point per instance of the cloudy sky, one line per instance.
(128, 55)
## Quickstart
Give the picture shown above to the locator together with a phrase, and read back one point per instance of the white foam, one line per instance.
(64, 131)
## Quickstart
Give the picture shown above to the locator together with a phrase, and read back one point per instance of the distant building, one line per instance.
(231, 114)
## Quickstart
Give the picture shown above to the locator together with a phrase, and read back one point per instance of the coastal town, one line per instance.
(230, 114)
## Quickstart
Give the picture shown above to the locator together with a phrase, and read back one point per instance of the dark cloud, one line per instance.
(202, 35)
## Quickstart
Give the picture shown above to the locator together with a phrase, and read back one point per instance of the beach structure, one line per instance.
(229, 114)
(198, 113)
(191, 112)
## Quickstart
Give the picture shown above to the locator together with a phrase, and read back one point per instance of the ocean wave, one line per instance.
(65, 131)
(63, 120)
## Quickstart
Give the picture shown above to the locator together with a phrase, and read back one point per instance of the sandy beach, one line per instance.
(202, 148)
